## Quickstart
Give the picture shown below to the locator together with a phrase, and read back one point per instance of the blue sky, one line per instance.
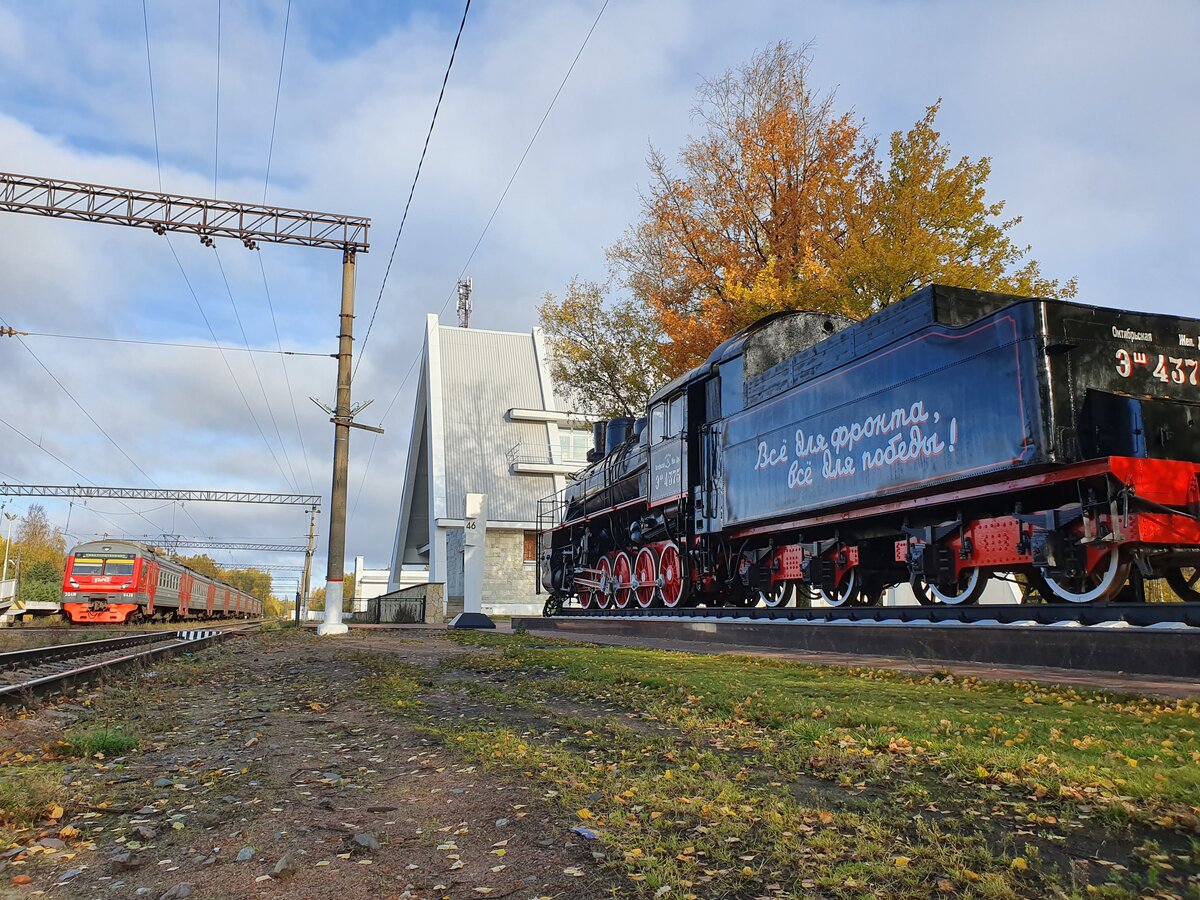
(1088, 111)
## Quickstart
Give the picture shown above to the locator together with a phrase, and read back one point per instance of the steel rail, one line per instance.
(162, 645)
(1134, 614)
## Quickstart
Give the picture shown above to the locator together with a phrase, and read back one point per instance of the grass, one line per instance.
(722, 776)
(27, 794)
(99, 741)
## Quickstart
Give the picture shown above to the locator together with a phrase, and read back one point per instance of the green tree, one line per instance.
(605, 355)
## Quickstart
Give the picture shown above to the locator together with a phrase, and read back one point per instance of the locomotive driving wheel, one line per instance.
(1102, 582)
(1185, 582)
(645, 578)
(966, 591)
(670, 573)
(846, 593)
(603, 593)
(622, 575)
(779, 594)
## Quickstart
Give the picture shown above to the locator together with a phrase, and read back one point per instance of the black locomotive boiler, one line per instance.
(952, 436)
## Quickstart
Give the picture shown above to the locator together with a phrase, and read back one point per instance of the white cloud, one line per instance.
(1087, 110)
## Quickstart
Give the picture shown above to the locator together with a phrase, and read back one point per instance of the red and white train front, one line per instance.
(101, 583)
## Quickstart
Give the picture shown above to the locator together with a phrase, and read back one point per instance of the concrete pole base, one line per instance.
(471, 620)
(333, 610)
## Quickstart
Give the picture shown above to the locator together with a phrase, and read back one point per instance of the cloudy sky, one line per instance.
(1088, 110)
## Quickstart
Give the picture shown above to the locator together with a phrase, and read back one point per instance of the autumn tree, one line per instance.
(605, 354)
(42, 550)
(782, 202)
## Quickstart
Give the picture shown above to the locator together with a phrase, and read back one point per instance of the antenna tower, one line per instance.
(464, 303)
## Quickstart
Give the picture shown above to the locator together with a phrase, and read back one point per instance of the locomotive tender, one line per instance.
(952, 436)
(120, 581)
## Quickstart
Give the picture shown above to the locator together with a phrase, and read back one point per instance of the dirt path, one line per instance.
(263, 770)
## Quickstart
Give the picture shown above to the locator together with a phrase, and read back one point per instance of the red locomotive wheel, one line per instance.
(645, 577)
(670, 572)
(585, 597)
(622, 575)
(604, 592)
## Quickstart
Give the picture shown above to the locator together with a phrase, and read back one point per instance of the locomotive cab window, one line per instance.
(86, 567)
(118, 567)
(675, 416)
(666, 419)
(658, 423)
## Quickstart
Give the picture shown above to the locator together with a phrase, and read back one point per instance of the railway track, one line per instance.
(1143, 615)
(47, 670)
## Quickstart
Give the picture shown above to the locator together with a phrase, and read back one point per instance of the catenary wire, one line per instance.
(157, 154)
(237, 384)
(278, 87)
(482, 235)
(217, 115)
(254, 365)
(150, 72)
(286, 377)
(179, 344)
(62, 462)
(413, 188)
(263, 269)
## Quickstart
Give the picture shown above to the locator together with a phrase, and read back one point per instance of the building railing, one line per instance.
(540, 455)
(406, 606)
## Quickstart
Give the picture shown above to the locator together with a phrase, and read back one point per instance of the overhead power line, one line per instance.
(263, 269)
(487, 225)
(5, 332)
(254, 365)
(412, 190)
(236, 383)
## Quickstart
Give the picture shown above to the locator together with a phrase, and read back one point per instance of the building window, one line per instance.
(530, 546)
(574, 444)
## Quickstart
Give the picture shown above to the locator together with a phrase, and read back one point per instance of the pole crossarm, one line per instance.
(231, 545)
(86, 492)
(249, 223)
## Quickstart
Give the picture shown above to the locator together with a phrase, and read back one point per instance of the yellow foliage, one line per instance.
(783, 203)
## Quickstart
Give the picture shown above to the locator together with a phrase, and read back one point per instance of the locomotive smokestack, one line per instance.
(618, 432)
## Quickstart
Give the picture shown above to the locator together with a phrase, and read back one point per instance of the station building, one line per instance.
(486, 420)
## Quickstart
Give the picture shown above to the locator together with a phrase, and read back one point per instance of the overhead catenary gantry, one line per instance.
(174, 542)
(250, 223)
(203, 216)
(182, 496)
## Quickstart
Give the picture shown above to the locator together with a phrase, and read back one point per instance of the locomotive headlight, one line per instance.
(73, 583)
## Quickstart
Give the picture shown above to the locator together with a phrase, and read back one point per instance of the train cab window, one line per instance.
(658, 423)
(118, 567)
(86, 566)
(675, 416)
